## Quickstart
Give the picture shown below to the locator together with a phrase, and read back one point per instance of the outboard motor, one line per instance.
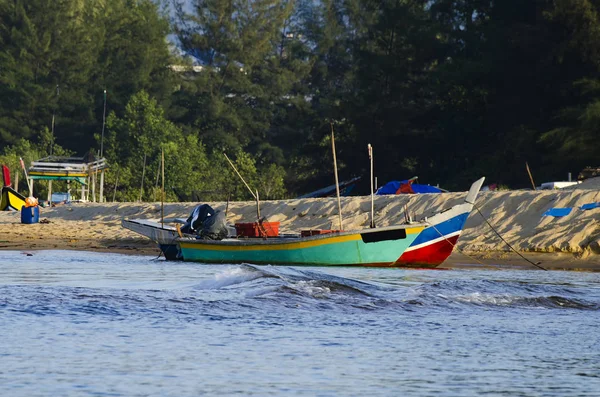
(206, 223)
(193, 224)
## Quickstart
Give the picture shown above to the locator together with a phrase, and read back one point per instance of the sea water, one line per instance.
(91, 324)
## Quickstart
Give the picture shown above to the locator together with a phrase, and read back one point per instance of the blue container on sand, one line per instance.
(30, 215)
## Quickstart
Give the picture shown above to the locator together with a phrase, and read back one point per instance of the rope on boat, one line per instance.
(509, 246)
(498, 234)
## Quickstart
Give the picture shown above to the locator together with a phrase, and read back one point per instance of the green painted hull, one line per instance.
(332, 250)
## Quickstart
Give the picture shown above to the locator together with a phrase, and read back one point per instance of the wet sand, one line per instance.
(570, 243)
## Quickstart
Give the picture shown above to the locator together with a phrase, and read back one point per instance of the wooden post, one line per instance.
(370, 148)
(143, 173)
(93, 187)
(257, 207)
(157, 178)
(50, 192)
(227, 205)
(530, 177)
(162, 194)
(101, 197)
(16, 181)
(83, 189)
(337, 185)
(29, 181)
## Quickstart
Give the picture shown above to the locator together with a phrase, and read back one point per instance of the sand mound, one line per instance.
(516, 215)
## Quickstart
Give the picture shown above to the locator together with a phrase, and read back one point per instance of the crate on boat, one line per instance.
(255, 229)
(316, 232)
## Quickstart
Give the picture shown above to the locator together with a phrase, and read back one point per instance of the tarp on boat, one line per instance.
(406, 187)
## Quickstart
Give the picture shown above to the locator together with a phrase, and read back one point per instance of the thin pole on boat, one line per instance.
(372, 199)
(238, 174)
(143, 173)
(162, 192)
(337, 185)
(257, 206)
(227, 205)
(255, 195)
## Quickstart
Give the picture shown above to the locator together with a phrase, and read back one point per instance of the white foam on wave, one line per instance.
(479, 298)
(261, 292)
(228, 277)
(308, 288)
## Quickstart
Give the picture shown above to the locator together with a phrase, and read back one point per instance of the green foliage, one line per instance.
(253, 64)
(30, 152)
(58, 56)
(143, 133)
(446, 90)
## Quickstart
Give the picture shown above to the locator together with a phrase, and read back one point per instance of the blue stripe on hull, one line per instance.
(450, 226)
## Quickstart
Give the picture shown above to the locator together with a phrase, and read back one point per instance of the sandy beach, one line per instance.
(570, 242)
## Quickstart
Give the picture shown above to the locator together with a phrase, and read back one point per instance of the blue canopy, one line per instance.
(393, 186)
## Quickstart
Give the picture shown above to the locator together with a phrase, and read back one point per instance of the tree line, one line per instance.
(448, 90)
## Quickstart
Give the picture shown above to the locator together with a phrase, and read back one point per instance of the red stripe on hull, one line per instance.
(430, 255)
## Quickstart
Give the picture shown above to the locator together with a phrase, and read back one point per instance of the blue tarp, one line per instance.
(558, 212)
(590, 206)
(393, 186)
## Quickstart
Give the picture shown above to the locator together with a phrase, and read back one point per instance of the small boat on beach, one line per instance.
(413, 244)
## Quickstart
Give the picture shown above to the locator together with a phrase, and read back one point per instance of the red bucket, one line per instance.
(255, 229)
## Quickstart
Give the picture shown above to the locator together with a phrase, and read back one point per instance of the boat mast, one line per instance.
(162, 193)
(248, 187)
(337, 185)
(370, 148)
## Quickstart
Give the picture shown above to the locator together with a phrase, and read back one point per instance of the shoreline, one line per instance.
(567, 243)
(491, 260)
(456, 261)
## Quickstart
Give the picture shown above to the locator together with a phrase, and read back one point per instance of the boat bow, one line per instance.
(437, 241)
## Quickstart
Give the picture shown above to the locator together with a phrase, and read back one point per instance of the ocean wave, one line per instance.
(550, 302)
(505, 294)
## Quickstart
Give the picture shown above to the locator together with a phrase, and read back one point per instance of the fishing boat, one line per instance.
(164, 236)
(413, 244)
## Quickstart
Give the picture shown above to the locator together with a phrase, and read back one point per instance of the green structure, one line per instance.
(77, 169)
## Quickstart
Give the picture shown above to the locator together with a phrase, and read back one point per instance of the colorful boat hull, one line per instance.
(424, 244)
(369, 248)
(163, 235)
(11, 200)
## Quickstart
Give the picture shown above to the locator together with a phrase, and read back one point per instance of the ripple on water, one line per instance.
(99, 324)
